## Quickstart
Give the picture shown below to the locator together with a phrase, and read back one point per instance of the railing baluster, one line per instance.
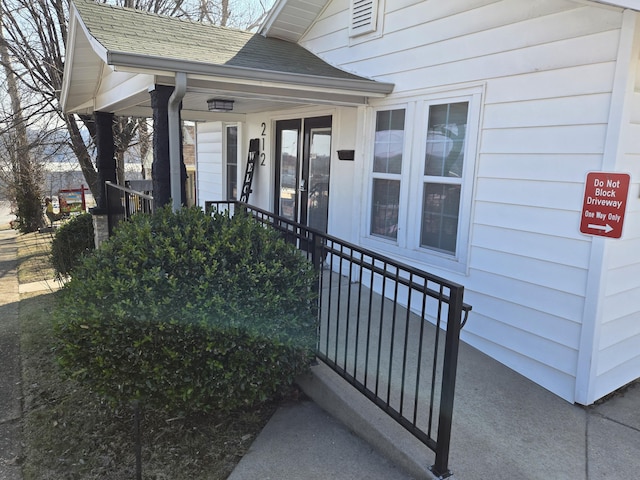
(358, 312)
(434, 369)
(394, 312)
(405, 345)
(380, 325)
(370, 312)
(348, 310)
(423, 319)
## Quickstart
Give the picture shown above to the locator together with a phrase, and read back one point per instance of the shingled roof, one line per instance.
(127, 31)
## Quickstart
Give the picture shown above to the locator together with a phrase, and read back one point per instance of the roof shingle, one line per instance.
(125, 30)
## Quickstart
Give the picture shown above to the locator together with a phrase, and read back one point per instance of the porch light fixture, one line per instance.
(219, 105)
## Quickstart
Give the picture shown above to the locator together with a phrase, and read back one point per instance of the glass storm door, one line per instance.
(303, 153)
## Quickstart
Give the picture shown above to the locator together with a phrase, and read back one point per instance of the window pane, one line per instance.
(440, 211)
(232, 163)
(384, 210)
(318, 184)
(445, 140)
(289, 173)
(389, 143)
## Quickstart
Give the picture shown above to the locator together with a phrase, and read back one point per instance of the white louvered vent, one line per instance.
(363, 16)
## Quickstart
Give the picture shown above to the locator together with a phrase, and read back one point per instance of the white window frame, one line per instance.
(388, 176)
(407, 245)
(377, 240)
(225, 161)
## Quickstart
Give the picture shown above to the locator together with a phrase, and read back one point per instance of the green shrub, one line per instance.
(189, 312)
(72, 240)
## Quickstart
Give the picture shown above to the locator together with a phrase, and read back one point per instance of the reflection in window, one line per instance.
(444, 161)
(288, 173)
(384, 209)
(389, 141)
(445, 140)
(440, 207)
(318, 187)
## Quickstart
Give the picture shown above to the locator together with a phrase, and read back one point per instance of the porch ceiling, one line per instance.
(116, 55)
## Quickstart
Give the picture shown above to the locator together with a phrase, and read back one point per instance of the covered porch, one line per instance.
(123, 62)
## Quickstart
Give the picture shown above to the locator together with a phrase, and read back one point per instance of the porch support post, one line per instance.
(106, 165)
(106, 161)
(161, 167)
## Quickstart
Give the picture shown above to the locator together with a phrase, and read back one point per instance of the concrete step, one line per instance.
(333, 394)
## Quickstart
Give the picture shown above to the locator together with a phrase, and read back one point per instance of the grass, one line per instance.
(69, 433)
(34, 257)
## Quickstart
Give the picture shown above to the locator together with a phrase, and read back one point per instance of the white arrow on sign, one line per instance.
(607, 228)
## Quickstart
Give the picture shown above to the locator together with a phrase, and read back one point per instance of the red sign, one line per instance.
(605, 202)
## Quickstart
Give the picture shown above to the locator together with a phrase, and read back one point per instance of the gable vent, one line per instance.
(363, 16)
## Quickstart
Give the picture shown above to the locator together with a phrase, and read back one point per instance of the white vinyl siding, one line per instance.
(210, 178)
(619, 341)
(546, 70)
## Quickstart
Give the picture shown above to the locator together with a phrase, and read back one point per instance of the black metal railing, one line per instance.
(123, 202)
(391, 330)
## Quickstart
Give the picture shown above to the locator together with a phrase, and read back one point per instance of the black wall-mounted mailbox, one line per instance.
(346, 154)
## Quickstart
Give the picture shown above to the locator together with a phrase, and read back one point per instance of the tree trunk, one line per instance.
(79, 148)
(225, 13)
(26, 187)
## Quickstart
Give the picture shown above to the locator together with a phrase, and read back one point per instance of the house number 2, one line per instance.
(263, 156)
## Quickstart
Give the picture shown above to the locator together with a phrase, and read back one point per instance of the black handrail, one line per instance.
(123, 202)
(374, 315)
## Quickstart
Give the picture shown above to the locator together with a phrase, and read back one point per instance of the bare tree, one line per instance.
(35, 36)
(23, 177)
(232, 13)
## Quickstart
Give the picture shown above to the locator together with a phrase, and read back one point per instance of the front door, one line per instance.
(303, 153)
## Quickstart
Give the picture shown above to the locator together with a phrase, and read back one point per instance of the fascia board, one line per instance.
(271, 17)
(97, 47)
(275, 92)
(76, 27)
(369, 88)
(69, 56)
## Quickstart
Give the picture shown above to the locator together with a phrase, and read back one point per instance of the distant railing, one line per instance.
(123, 202)
(391, 330)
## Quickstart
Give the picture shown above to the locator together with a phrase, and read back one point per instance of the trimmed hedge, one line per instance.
(189, 312)
(72, 240)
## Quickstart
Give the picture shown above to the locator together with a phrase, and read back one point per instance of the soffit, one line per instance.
(290, 19)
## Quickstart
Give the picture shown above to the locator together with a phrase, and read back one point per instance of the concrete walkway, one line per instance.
(10, 369)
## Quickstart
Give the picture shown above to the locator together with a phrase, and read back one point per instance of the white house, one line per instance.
(467, 130)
